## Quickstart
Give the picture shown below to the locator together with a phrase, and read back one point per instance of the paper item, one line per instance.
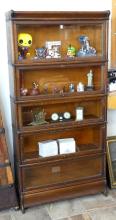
(66, 145)
(48, 148)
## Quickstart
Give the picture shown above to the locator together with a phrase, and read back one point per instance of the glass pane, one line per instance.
(62, 37)
(86, 139)
(58, 81)
(65, 171)
(43, 114)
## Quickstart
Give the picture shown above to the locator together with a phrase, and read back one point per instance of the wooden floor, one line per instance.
(96, 207)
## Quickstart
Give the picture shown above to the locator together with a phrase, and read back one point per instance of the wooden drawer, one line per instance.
(61, 172)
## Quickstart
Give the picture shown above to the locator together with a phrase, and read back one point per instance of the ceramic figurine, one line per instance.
(56, 90)
(71, 87)
(34, 90)
(80, 87)
(24, 91)
(86, 49)
(45, 90)
(24, 43)
(90, 80)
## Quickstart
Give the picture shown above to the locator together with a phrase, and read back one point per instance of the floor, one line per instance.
(97, 207)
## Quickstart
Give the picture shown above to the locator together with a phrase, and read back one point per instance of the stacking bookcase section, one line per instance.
(58, 84)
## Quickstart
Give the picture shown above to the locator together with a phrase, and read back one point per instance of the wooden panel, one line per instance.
(65, 192)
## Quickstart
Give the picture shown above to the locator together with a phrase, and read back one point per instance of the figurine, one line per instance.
(71, 51)
(86, 49)
(35, 89)
(24, 91)
(40, 52)
(71, 87)
(24, 43)
(45, 90)
(56, 90)
(90, 80)
(80, 87)
(38, 118)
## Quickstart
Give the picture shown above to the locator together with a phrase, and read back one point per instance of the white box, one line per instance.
(66, 145)
(48, 148)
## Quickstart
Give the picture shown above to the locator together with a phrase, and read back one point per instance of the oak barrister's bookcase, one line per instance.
(41, 179)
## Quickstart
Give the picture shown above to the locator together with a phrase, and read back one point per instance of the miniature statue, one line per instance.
(45, 90)
(90, 80)
(38, 118)
(40, 53)
(56, 90)
(71, 51)
(35, 89)
(71, 88)
(24, 91)
(86, 49)
(80, 87)
(24, 43)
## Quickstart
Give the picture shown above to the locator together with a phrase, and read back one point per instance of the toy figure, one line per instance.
(24, 43)
(34, 90)
(86, 49)
(71, 51)
(40, 52)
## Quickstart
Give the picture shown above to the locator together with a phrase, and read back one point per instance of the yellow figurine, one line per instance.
(24, 43)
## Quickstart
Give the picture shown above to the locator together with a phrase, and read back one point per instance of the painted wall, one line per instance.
(37, 5)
